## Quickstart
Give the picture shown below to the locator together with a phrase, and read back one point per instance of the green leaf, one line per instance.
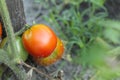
(112, 35)
(111, 24)
(112, 30)
(115, 51)
(94, 55)
(98, 2)
(105, 73)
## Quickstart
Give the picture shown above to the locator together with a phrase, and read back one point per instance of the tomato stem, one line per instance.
(8, 26)
(35, 69)
(22, 30)
(10, 33)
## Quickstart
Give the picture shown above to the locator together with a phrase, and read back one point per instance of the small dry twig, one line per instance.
(38, 71)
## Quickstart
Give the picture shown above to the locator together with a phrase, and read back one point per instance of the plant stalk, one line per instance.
(11, 36)
(8, 26)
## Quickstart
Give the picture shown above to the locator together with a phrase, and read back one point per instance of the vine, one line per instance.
(11, 37)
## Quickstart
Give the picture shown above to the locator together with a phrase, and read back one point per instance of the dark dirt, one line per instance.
(113, 9)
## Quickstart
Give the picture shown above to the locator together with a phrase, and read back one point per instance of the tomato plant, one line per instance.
(55, 56)
(22, 53)
(39, 40)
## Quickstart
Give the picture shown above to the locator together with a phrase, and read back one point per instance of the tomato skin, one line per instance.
(39, 40)
(55, 56)
(22, 53)
(0, 30)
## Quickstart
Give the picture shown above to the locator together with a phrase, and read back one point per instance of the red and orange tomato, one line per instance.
(0, 29)
(39, 40)
(55, 56)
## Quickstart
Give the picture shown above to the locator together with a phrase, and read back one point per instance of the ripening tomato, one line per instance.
(39, 40)
(55, 56)
(22, 53)
(0, 30)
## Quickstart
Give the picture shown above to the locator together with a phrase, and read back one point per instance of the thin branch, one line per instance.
(35, 69)
(22, 30)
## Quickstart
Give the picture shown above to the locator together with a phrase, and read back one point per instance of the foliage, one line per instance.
(90, 36)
